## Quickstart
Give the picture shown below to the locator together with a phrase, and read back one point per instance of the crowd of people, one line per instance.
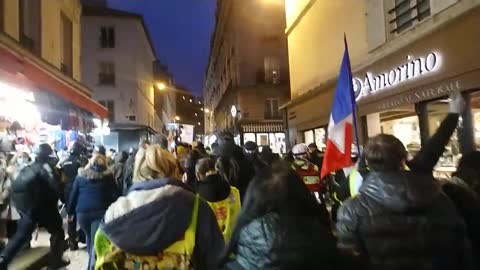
(241, 208)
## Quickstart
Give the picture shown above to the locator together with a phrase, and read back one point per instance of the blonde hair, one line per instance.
(153, 162)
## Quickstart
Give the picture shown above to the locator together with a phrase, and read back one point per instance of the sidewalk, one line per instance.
(37, 257)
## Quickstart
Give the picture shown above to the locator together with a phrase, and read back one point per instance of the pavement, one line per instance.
(35, 258)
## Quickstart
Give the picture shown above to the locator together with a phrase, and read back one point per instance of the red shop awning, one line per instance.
(41, 75)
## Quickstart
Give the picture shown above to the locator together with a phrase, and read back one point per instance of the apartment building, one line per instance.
(247, 74)
(118, 61)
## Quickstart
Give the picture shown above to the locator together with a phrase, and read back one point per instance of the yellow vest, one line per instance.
(178, 256)
(227, 212)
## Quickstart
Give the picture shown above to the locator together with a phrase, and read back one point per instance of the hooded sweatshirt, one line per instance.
(153, 216)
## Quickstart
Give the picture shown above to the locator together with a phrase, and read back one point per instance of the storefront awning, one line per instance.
(262, 128)
(20, 63)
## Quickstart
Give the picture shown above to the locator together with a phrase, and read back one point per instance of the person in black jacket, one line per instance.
(250, 150)
(69, 169)
(401, 219)
(232, 164)
(462, 188)
(281, 226)
(35, 193)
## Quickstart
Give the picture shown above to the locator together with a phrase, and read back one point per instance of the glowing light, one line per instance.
(177, 118)
(207, 110)
(161, 86)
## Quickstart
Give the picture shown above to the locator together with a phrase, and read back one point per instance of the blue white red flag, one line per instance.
(341, 127)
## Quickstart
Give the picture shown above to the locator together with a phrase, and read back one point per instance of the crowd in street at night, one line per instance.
(233, 208)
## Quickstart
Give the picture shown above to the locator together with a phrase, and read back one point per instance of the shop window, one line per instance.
(475, 103)
(110, 105)
(262, 139)
(67, 48)
(320, 138)
(309, 137)
(437, 111)
(107, 37)
(406, 13)
(272, 111)
(249, 137)
(106, 76)
(30, 25)
(402, 122)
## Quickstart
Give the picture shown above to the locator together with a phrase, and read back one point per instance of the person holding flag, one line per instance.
(400, 219)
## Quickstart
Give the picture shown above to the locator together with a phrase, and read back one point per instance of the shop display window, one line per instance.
(475, 103)
(437, 111)
(321, 138)
(309, 137)
(262, 139)
(249, 137)
(403, 124)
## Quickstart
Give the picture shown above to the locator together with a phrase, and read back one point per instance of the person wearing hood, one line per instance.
(118, 169)
(159, 224)
(250, 149)
(222, 198)
(401, 219)
(93, 191)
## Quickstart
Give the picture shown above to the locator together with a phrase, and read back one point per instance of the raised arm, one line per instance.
(429, 154)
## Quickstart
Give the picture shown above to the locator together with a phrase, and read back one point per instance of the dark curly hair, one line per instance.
(385, 152)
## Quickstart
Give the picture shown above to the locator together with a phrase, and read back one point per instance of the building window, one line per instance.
(30, 25)
(408, 12)
(110, 105)
(67, 48)
(106, 76)
(272, 69)
(107, 37)
(271, 109)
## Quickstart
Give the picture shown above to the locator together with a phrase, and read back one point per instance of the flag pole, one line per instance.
(354, 103)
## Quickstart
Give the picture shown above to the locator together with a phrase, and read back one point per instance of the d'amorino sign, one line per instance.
(413, 68)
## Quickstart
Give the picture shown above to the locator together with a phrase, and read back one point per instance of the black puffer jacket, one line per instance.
(304, 243)
(402, 220)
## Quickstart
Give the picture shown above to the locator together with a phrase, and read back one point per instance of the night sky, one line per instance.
(181, 31)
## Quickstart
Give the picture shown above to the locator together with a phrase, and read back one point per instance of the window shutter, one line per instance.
(376, 29)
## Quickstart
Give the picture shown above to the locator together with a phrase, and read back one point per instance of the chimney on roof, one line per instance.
(95, 3)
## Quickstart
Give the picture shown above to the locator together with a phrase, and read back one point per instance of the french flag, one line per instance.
(342, 124)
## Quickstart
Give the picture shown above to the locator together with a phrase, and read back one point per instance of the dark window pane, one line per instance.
(111, 37)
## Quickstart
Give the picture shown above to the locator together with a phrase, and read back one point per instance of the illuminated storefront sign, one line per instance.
(412, 69)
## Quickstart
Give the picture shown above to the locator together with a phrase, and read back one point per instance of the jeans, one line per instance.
(89, 222)
(50, 220)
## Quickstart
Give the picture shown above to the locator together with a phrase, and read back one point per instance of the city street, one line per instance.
(240, 134)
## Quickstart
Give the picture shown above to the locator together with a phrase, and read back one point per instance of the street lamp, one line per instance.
(161, 86)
